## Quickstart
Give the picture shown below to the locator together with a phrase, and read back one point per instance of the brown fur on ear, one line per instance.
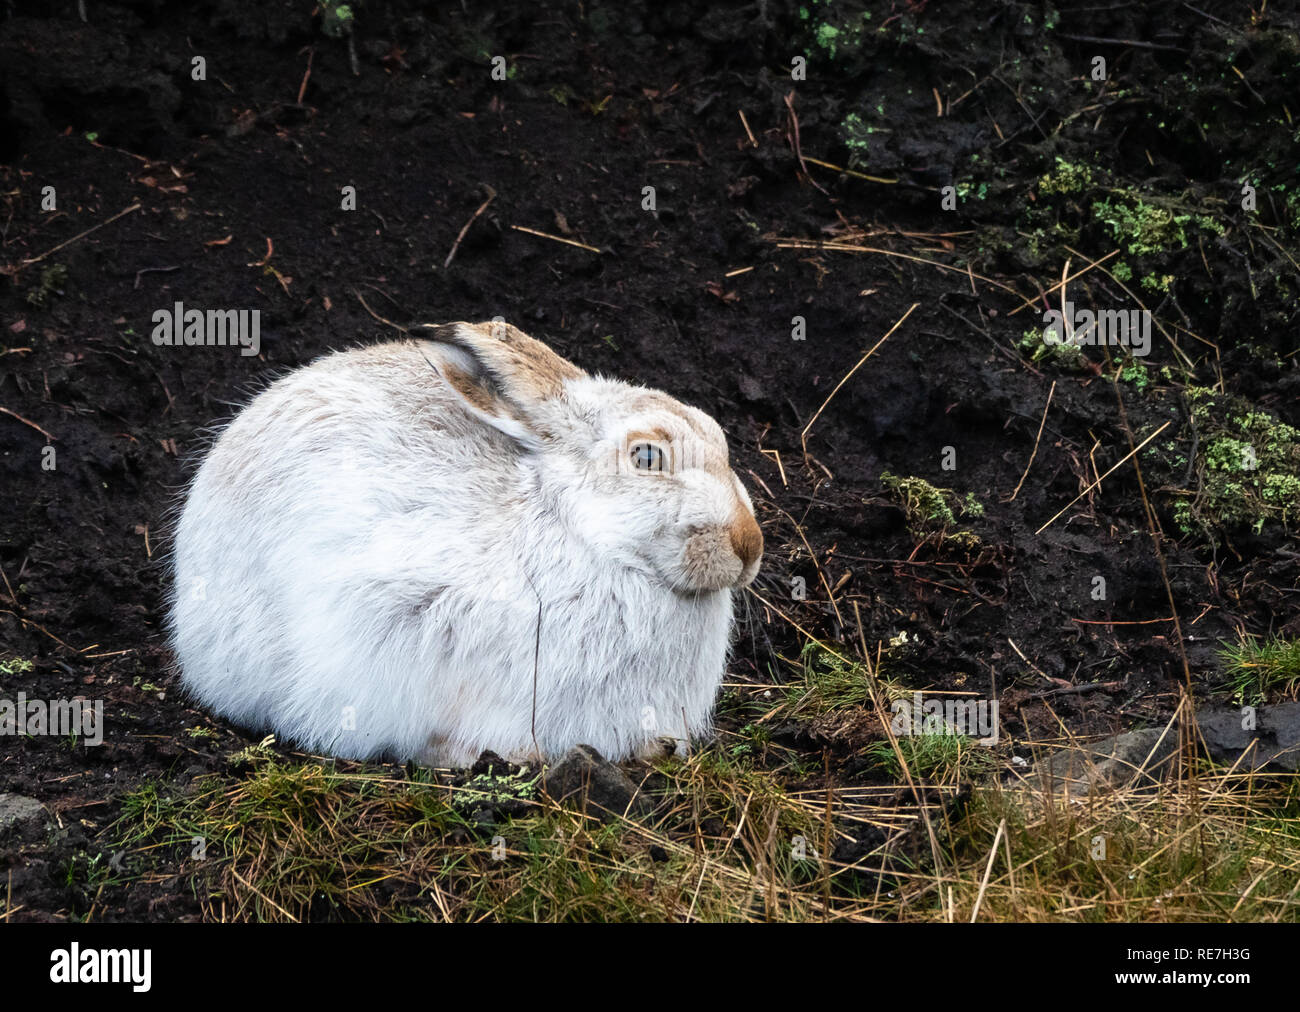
(470, 388)
(522, 368)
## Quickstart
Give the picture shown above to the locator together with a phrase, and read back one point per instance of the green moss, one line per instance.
(1141, 228)
(837, 34)
(922, 502)
(826, 36)
(495, 787)
(337, 18)
(1136, 373)
(1228, 454)
(1281, 488)
(856, 135)
(1067, 177)
(1248, 466)
(1063, 354)
(930, 510)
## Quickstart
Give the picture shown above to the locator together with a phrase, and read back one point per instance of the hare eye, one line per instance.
(647, 457)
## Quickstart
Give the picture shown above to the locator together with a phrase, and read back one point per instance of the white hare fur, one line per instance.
(429, 548)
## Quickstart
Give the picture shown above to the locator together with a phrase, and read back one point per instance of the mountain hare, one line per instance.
(428, 548)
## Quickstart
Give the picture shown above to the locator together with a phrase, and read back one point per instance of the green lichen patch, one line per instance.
(1247, 468)
(1148, 229)
(932, 511)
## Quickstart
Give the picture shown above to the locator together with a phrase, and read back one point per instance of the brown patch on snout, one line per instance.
(746, 537)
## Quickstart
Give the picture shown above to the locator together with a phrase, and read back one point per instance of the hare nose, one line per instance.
(746, 538)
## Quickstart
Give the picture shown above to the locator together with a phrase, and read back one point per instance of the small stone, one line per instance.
(750, 388)
(1275, 737)
(595, 784)
(20, 813)
(1133, 759)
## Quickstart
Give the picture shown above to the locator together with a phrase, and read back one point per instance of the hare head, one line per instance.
(642, 477)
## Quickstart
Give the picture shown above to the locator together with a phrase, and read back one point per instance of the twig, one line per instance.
(352, 55)
(776, 455)
(1123, 42)
(40, 628)
(766, 603)
(1078, 274)
(1074, 690)
(1103, 477)
(749, 132)
(1202, 13)
(1037, 439)
(803, 436)
(1065, 318)
(988, 868)
(9, 586)
(1153, 528)
(556, 238)
(821, 575)
(150, 270)
(302, 88)
(845, 247)
(263, 895)
(848, 172)
(1237, 71)
(1021, 102)
(1022, 656)
(79, 235)
(1113, 621)
(798, 148)
(395, 326)
(887, 726)
(1154, 319)
(492, 195)
(31, 424)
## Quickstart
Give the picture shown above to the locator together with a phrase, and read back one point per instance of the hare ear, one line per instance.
(501, 373)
